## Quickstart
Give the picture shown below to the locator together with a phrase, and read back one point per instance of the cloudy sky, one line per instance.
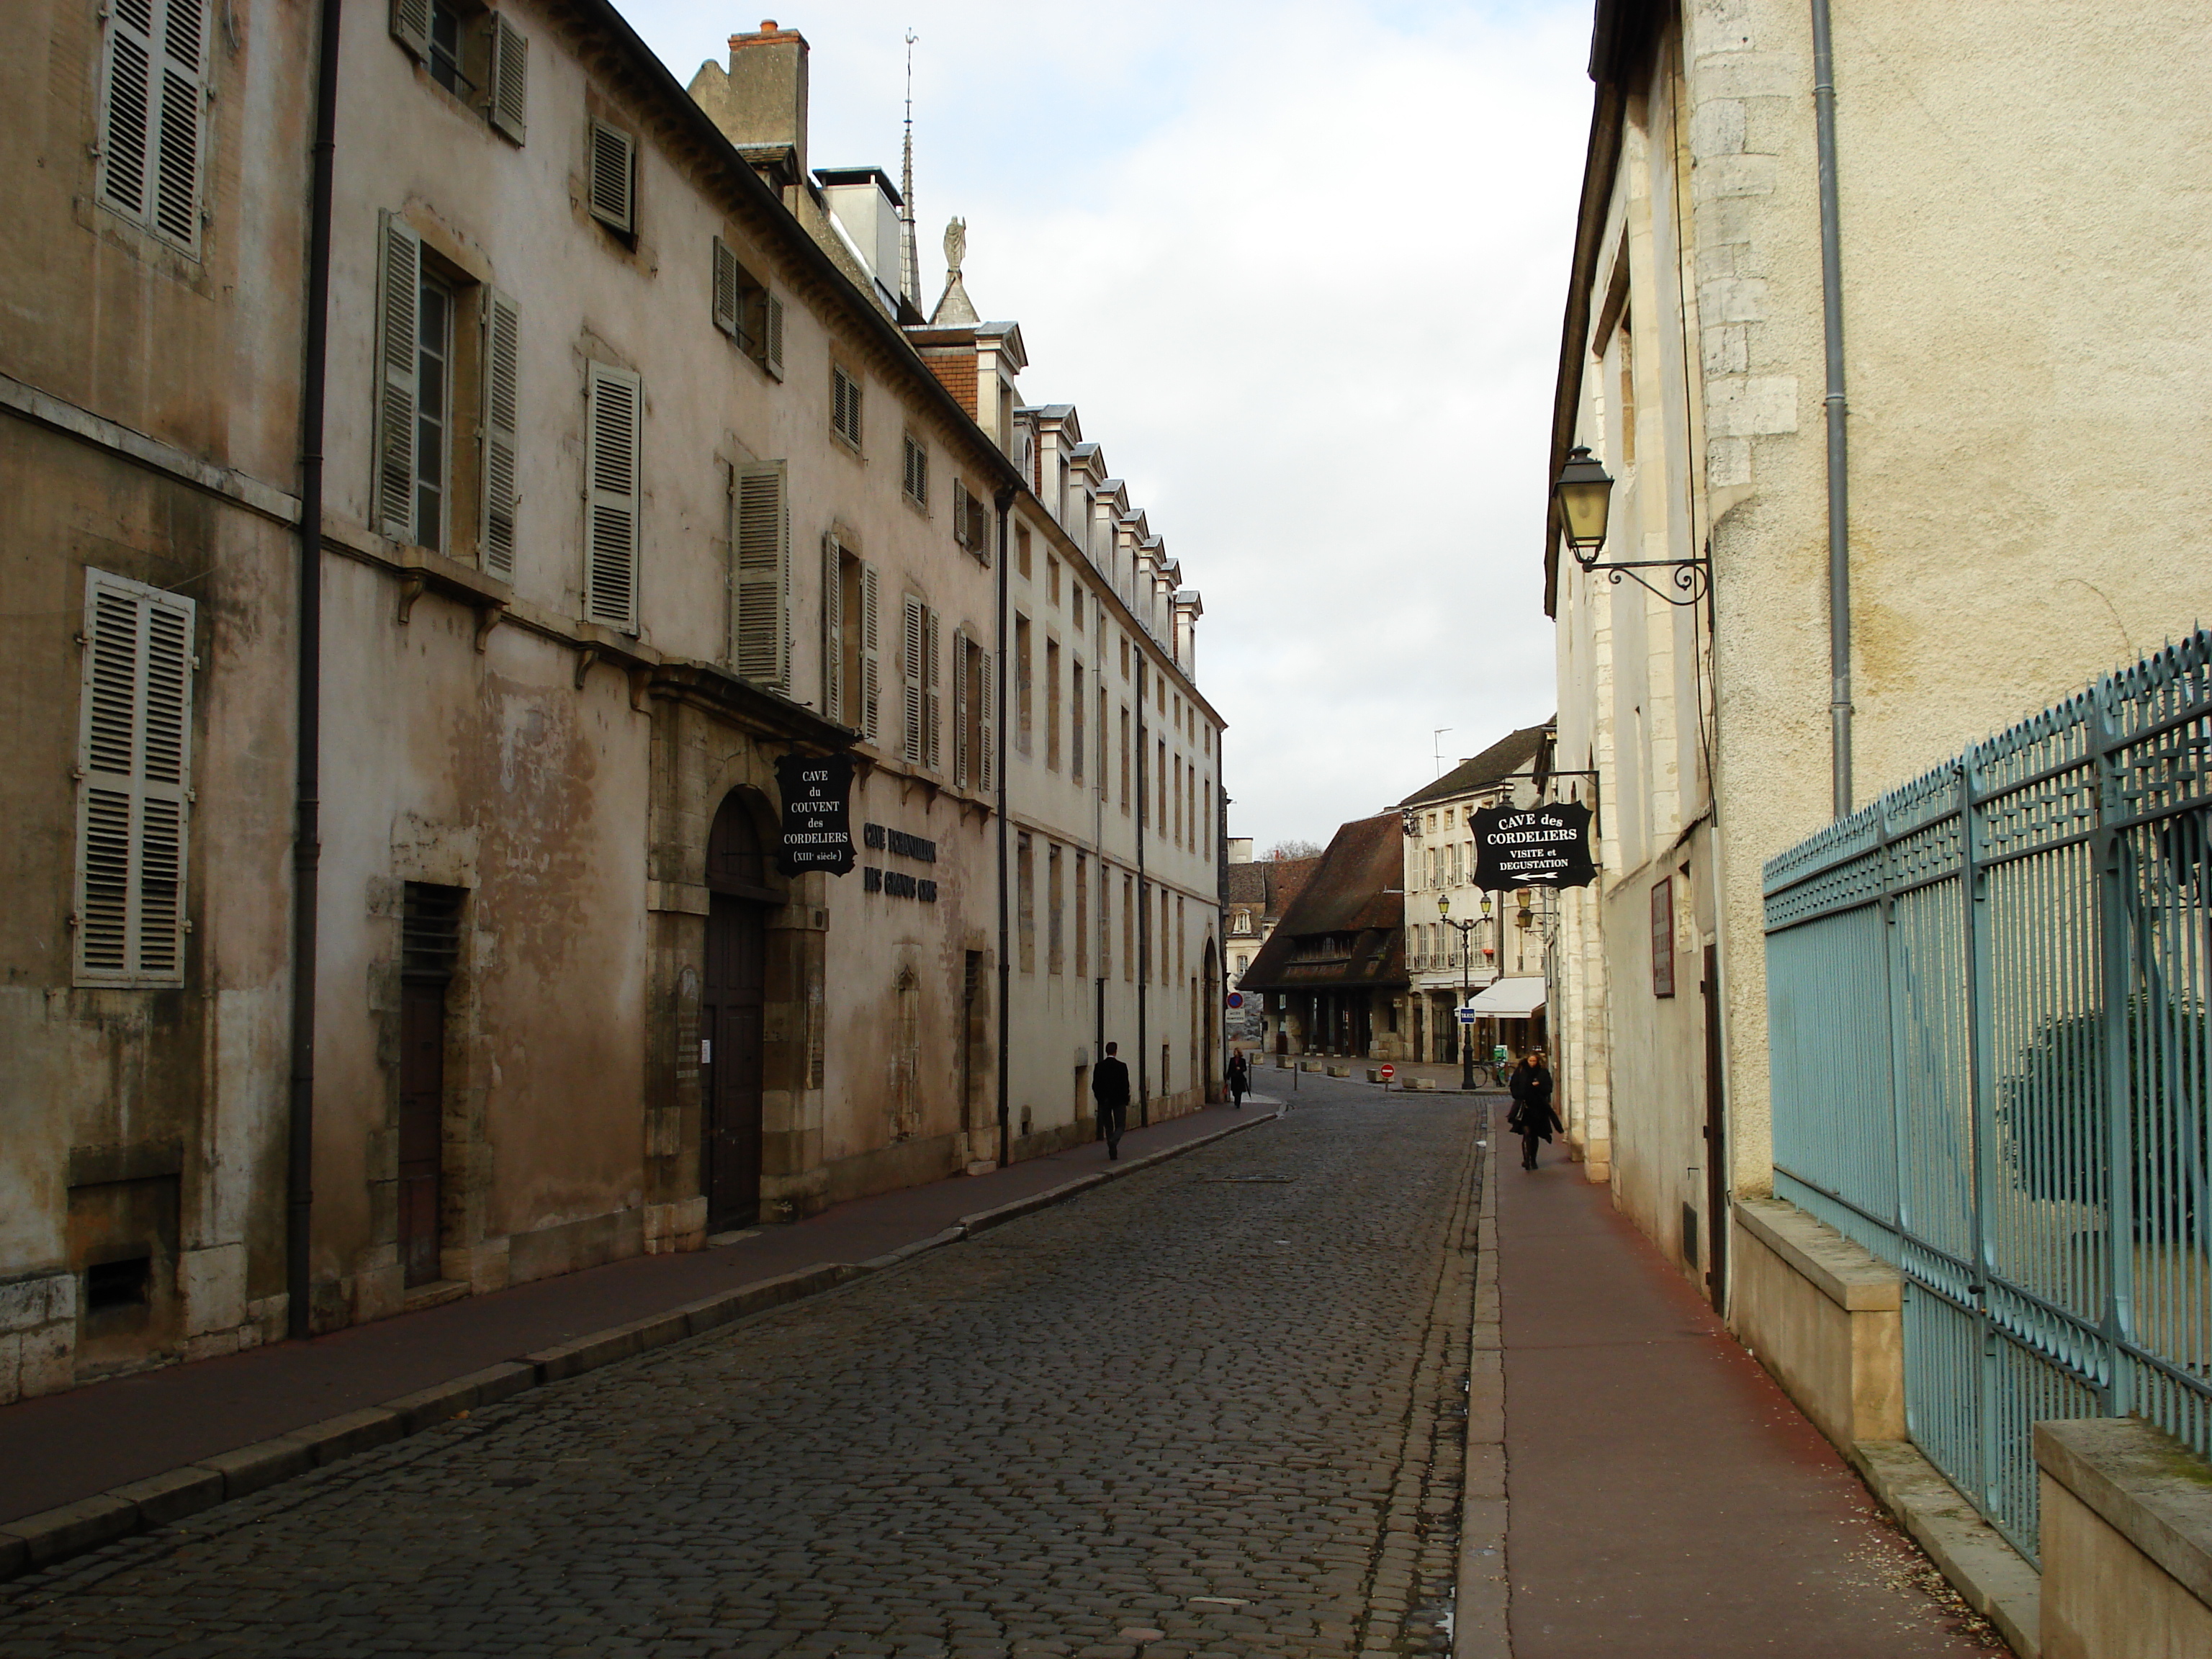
(1301, 269)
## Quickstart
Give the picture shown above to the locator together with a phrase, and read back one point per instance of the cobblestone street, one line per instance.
(1214, 1408)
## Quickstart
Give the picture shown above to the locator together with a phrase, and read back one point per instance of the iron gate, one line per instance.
(1987, 1001)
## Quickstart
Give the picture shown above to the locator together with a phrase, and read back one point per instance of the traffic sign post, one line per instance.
(1387, 1073)
(1468, 1016)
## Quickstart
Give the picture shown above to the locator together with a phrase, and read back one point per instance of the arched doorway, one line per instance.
(731, 997)
(1211, 993)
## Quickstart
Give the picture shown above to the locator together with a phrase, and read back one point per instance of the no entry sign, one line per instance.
(1389, 1072)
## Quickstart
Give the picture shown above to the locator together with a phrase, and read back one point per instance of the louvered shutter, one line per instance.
(150, 147)
(410, 25)
(613, 179)
(130, 107)
(177, 155)
(726, 301)
(912, 649)
(503, 358)
(872, 690)
(762, 541)
(933, 693)
(987, 722)
(134, 772)
(833, 631)
(399, 295)
(611, 506)
(960, 650)
(772, 335)
(510, 78)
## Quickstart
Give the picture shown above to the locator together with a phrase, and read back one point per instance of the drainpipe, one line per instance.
(306, 843)
(1840, 484)
(1004, 502)
(1143, 913)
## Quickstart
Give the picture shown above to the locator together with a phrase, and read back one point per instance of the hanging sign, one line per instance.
(818, 830)
(1533, 846)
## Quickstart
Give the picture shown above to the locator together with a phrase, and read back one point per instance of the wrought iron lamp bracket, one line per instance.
(1692, 580)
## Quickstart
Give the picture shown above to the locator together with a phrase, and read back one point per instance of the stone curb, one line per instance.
(1480, 1604)
(1991, 1577)
(40, 1540)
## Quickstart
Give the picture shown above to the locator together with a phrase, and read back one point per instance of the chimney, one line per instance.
(1240, 849)
(766, 106)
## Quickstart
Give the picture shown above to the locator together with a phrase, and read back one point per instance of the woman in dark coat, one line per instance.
(1240, 1078)
(1532, 1117)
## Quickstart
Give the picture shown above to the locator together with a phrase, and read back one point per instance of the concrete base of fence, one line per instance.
(2127, 1541)
(1825, 1317)
(1991, 1576)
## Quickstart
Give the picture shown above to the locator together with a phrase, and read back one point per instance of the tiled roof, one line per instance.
(1493, 766)
(1346, 896)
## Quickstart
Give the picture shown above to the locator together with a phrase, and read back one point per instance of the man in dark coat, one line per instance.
(1240, 1078)
(1532, 1117)
(1109, 1087)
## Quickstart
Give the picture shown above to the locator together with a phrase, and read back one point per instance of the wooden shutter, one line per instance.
(399, 295)
(502, 356)
(614, 174)
(986, 723)
(611, 421)
(510, 78)
(871, 690)
(726, 301)
(933, 693)
(149, 144)
(772, 335)
(762, 541)
(961, 647)
(913, 647)
(833, 630)
(410, 25)
(134, 757)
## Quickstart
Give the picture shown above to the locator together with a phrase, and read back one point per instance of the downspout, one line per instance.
(1004, 501)
(306, 843)
(1143, 913)
(1839, 487)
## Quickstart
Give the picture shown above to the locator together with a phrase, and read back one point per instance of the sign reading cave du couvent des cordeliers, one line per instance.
(1533, 846)
(818, 830)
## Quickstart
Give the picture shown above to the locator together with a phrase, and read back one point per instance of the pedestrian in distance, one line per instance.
(1240, 1080)
(1109, 1088)
(1532, 1117)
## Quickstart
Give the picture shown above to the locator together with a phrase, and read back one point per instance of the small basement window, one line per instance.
(127, 1284)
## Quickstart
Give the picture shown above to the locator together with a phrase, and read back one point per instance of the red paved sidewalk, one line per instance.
(60, 1448)
(1665, 1499)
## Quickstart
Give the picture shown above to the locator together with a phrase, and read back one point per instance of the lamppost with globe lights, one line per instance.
(1466, 1033)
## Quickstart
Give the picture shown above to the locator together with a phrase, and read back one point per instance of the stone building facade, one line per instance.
(1332, 975)
(646, 481)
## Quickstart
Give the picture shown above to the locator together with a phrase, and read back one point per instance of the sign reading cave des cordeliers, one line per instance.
(1533, 846)
(818, 829)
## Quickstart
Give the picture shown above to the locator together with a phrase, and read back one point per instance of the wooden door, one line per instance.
(730, 1072)
(421, 1125)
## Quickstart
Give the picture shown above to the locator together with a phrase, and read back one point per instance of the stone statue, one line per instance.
(956, 243)
(954, 309)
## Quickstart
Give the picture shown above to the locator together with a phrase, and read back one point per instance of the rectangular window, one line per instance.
(1075, 713)
(1075, 607)
(1128, 929)
(1157, 805)
(746, 312)
(1662, 937)
(501, 379)
(1022, 550)
(1052, 704)
(153, 99)
(760, 576)
(1052, 578)
(133, 783)
(433, 379)
(1022, 684)
(1103, 785)
(852, 642)
(1054, 962)
(844, 406)
(1083, 915)
(613, 402)
(1125, 656)
(973, 717)
(920, 676)
(916, 479)
(1125, 759)
(1025, 904)
(610, 170)
(971, 526)
(1105, 920)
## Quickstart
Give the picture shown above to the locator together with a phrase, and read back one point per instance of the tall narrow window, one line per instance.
(1055, 900)
(612, 413)
(1075, 713)
(916, 477)
(1125, 760)
(612, 178)
(1025, 904)
(433, 378)
(914, 680)
(1627, 393)
(1052, 704)
(1022, 549)
(502, 360)
(1105, 920)
(845, 405)
(134, 762)
(1082, 915)
(1128, 928)
(153, 99)
(1023, 707)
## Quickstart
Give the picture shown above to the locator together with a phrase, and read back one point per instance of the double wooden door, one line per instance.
(730, 1055)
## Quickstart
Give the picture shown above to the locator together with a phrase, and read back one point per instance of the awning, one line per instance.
(1509, 999)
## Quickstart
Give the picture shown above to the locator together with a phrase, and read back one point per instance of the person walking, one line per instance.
(1240, 1080)
(1109, 1088)
(1532, 1117)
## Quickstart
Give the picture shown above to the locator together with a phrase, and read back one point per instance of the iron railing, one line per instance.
(1987, 999)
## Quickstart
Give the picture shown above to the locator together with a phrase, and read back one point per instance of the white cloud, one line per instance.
(1302, 270)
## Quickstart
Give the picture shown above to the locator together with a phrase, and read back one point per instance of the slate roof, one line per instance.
(1493, 766)
(1345, 898)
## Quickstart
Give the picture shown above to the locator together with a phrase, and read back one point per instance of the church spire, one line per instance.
(909, 261)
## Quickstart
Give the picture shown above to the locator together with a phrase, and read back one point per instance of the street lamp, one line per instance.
(1584, 491)
(1466, 951)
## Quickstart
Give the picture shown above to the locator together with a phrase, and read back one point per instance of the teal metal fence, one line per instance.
(1987, 1001)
